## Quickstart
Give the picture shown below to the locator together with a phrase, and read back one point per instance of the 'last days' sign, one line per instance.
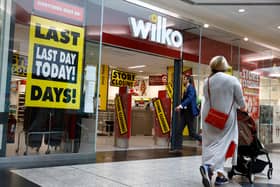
(55, 64)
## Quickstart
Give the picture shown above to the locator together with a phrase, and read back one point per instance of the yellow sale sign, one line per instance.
(103, 89)
(55, 62)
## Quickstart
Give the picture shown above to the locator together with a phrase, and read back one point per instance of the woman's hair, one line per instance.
(219, 64)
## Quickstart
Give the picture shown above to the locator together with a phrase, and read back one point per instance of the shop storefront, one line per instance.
(55, 79)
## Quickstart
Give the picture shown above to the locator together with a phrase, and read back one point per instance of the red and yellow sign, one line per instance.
(55, 64)
(60, 8)
(250, 82)
(161, 117)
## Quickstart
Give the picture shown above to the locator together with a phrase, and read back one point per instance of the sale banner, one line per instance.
(103, 89)
(121, 78)
(59, 9)
(250, 82)
(120, 115)
(55, 62)
(161, 116)
(170, 78)
(19, 65)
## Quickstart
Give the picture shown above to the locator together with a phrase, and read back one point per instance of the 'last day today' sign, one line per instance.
(54, 65)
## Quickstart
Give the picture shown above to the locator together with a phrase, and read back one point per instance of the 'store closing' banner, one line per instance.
(161, 116)
(55, 64)
(121, 78)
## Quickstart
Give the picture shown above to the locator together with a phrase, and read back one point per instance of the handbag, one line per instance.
(214, 117)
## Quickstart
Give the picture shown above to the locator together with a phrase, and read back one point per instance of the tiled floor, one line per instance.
(143, 164)
(176, 171)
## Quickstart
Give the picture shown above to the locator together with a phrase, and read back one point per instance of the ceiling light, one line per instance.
(134, 67)
(275, 75)
(141, 71)
(152, 7)
(206, 25)
(252, 59)
(274, 71)
(241, 10)
(278, 27)
(245, 39)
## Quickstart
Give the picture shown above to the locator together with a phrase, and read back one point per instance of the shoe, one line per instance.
(221, 180)
(204, 170)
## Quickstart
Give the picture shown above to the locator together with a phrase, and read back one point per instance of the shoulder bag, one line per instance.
(214, 117)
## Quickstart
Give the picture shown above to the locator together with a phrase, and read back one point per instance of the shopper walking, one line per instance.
(188, 111)
(222, 92)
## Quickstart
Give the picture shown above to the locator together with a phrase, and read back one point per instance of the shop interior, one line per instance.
(144, 66)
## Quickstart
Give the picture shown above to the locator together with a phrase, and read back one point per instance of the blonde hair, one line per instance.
(219, 63)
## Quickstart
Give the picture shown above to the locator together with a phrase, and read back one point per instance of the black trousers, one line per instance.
(186, 118)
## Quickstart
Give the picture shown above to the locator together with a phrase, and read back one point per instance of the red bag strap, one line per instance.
(208, 83)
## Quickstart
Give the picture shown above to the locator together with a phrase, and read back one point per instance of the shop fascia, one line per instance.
(156, 30)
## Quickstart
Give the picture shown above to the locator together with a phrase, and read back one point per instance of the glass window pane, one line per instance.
(54, 77)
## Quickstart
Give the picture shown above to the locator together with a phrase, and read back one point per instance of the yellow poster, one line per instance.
(169, 88)
(121, 78)
(103, 91)
(161, 116)
(19, 66)
(55, 62)
(121, 115)
(170, 77)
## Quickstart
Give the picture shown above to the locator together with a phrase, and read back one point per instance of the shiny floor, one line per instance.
(135, 168)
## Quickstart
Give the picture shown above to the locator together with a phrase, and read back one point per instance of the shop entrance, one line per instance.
(150, 77)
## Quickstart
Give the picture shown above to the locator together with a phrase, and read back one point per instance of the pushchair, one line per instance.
(249, 148)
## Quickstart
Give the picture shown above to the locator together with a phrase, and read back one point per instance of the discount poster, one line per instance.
(250, 82)
(54, 70)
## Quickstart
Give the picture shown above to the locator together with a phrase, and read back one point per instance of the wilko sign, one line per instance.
(156, 31)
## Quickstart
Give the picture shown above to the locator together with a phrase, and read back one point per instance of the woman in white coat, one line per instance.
(218, 145)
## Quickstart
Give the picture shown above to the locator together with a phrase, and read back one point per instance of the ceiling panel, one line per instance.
(123, 58)
(258, 23)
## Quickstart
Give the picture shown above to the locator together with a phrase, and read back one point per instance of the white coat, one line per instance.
(215, 142)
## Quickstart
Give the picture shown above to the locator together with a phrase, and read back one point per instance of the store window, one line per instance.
(54, 77)
(257, 69)
(259, 78)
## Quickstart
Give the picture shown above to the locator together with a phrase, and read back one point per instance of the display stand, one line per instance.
(21, 101)
(122, 123)
(162, 136)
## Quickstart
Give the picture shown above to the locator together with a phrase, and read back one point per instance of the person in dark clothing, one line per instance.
(188, 111)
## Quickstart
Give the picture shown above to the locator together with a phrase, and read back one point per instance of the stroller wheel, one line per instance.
(230, 174)
(269, 173)
(251, 178)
